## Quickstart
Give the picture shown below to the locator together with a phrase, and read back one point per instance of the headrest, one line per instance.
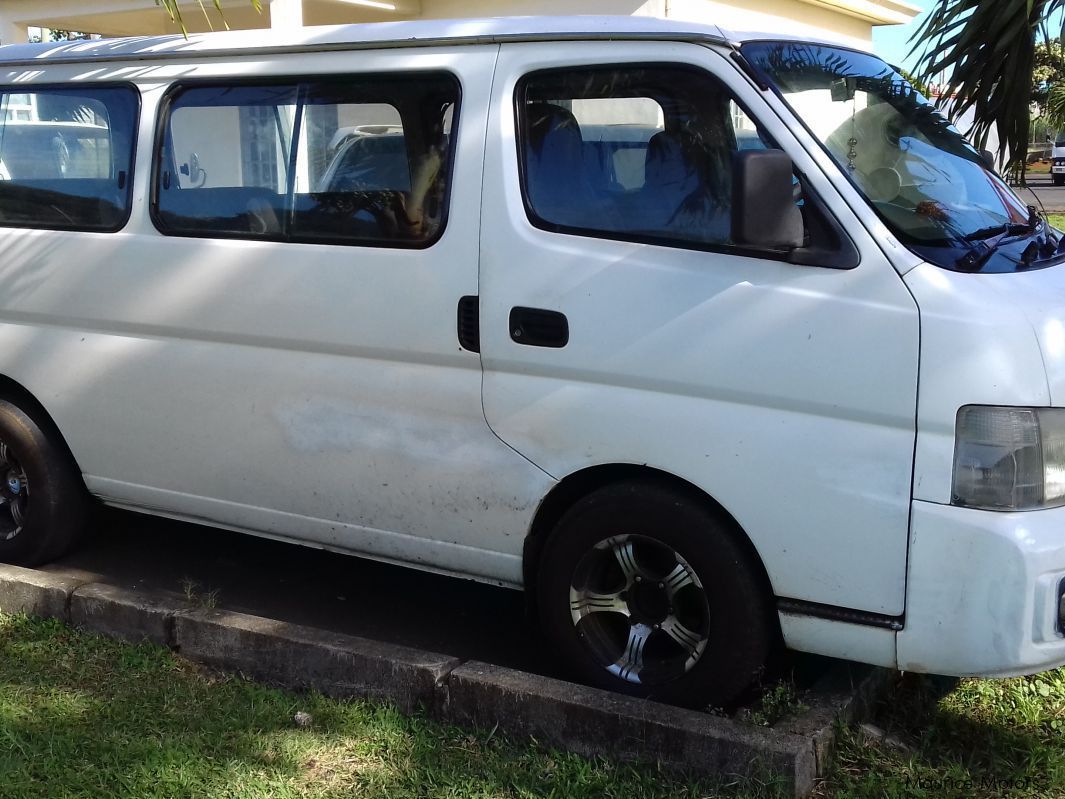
(546, 119)
(669, 159)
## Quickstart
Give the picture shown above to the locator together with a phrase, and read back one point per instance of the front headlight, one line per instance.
(1009, 458)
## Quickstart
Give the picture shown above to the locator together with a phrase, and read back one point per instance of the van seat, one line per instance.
(558, 181)
(370, 163)
(676, 199)
(354, 215)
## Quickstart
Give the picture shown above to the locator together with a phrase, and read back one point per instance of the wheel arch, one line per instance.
(17, 394)
(580, 484)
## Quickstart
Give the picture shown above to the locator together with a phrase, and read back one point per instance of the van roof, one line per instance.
(418, 33)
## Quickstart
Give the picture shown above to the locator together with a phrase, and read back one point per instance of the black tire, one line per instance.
(43, 502)
(648, 519)
(1059, 180)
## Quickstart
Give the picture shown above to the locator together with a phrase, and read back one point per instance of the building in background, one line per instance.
(848, 21)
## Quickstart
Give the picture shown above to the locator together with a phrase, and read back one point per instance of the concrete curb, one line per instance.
(585, 720)
(843, 696)
(592, 722)
(302, 657)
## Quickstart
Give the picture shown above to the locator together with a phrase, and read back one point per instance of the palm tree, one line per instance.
(987, 49)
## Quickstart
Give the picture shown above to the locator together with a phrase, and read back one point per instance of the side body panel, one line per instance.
(309, 392)
(977, 348)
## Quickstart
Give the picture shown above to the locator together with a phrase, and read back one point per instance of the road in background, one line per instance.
(1041, 188)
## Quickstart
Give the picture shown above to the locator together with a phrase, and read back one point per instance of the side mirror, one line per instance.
(989, 159)
(764, 214)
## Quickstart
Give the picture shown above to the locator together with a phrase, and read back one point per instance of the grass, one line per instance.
(778, 702)
(985, 740)
(1057, 220)
(83, 716)
(196, 596)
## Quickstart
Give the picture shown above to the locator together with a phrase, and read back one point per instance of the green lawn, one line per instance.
(83, 716)
(986, 739)
(1057, 220)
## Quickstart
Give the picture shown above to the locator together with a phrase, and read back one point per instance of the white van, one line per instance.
(1057, 160)
(707, 341)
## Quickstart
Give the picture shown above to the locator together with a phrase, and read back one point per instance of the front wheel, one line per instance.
(1059, 180)
(644, 590)
(43, 503)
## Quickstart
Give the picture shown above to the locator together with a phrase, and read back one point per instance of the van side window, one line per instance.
(360, 161)
(632, 152)
(226, 160)
(66, 157)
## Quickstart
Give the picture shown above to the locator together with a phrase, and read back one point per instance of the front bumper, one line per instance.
(982, 592)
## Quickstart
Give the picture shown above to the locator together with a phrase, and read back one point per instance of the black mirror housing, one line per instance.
(764, 213)
(989, 159)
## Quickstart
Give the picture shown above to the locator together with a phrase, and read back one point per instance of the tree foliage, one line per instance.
(1049, 69)
(174, 10)
(987, 51)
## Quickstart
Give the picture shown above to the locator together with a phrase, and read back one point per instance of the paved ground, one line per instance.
(311, 587)
(331, 592)
(1041, 188)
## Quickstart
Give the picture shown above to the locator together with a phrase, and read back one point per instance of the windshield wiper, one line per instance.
(1009, 228)
(982, 249)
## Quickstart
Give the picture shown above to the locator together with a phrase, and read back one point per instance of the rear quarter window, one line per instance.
(66, 157)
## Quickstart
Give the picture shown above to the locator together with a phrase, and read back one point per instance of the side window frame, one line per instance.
(827, 245)
(162, 145)
(129, 169)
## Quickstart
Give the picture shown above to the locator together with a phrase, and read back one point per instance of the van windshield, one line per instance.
(925, 181)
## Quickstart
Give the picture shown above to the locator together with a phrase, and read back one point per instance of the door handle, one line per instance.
(537, 327)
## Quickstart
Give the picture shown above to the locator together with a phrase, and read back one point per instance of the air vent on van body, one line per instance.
(469, 324)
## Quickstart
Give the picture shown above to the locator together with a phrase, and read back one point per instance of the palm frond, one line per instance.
(986, 50)
(1054, 110)
(173, 8)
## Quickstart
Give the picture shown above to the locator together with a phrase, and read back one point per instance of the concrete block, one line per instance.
(302, 657)
(599, 723)
(130, 615)
(35, 593)
(846, 693)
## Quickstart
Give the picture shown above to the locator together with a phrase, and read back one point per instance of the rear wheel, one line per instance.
(43, 503)
(644, 590)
